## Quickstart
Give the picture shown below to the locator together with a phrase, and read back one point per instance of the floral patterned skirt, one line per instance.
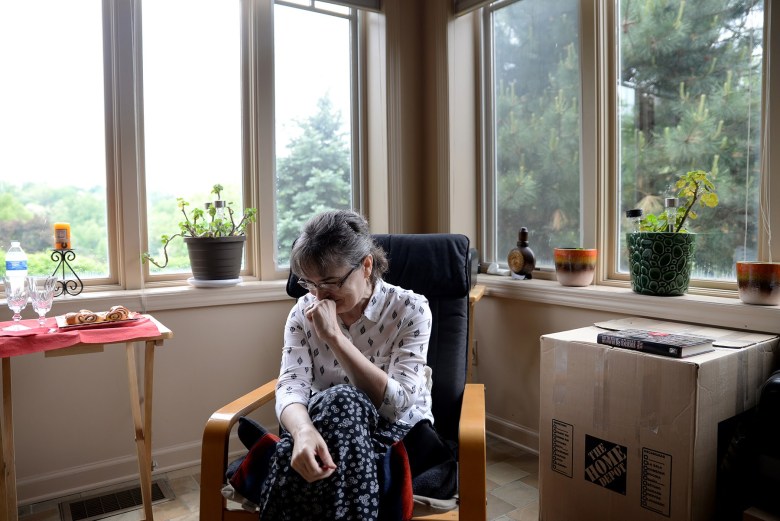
(358, 440)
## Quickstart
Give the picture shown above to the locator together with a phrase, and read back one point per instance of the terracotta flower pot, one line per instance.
(759, 282)
(575, 266)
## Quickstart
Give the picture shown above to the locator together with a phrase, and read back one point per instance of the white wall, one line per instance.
(72, 416)
(508, 333)
(73, 428)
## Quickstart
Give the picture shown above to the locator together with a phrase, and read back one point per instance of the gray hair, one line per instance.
(334, 239)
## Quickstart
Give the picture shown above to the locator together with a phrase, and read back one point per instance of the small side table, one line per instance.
(74, 345)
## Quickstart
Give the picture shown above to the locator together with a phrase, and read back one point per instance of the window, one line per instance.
(119, 108)
(314, 64)
(192, 111)
(52, 133)
(314, 153)
(535, 126)
(689, 98)
(684, 81)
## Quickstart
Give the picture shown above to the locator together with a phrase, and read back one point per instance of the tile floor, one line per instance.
(511, 483)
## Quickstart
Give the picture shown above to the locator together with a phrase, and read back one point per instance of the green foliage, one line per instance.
(28, 211)
(690, 74)
(692, 187)
(692, 71)
(537, 127)
(313, 177)
(210, 223)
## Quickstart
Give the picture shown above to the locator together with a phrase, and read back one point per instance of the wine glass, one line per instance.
(41, 291)
(16, 296)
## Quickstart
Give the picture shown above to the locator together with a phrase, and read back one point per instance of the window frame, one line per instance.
(268, 263)
(599, 190)
(588, 155)
(125, 173)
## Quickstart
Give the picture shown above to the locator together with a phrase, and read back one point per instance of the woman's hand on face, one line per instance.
(310, 456)
(322, 314)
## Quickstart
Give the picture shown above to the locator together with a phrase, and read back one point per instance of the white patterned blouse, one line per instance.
(393, 333)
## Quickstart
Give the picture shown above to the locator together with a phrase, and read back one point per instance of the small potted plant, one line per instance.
(214, 237)
(660, 253)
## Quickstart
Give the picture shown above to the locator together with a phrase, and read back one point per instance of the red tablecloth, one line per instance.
(36, 339)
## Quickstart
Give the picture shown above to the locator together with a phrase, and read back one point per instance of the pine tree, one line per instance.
(537, 125)
(314, 176)
(692, 71)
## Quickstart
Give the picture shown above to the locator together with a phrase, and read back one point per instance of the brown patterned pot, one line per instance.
(575, 266)
(759, 282)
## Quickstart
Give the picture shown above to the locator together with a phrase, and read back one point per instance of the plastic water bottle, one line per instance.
(15, 261)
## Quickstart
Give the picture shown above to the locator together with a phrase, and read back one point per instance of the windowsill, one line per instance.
(699, 309)
(717, 311)
(179, 296)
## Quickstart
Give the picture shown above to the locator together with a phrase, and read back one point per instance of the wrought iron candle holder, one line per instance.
(69, 286)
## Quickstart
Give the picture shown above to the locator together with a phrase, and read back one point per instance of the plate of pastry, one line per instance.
(86, 319)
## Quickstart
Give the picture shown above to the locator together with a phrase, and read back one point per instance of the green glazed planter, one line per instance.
(660, 263)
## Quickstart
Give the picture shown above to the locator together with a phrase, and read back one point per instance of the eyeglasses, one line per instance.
(328, 286)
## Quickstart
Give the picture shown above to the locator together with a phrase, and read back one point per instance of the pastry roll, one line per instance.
(117, 313)
(86, 316)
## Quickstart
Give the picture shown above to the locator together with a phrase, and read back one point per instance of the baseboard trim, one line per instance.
(115, 471)
(510, 432)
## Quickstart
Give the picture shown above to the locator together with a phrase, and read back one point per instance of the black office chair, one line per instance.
(767, 471)
(437, 266)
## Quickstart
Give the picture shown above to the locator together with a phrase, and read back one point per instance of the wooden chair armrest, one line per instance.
(476, 293)
(471, 455)
(472, 486)
(214, 453)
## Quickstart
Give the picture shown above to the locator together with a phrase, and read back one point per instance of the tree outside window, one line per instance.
(536, 126)
(52, 133)
(690, 98)
(76, 140)
(313, 77)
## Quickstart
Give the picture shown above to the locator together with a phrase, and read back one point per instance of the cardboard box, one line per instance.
(629, 435)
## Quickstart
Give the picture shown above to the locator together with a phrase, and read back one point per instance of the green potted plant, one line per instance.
(214, 238)
(660, 253)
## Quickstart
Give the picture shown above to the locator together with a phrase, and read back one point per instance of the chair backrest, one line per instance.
(437, 266)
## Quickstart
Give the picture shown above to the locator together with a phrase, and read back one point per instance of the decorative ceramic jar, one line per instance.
(660, 263)
(521, 259)
(575, 266)
(759, 282)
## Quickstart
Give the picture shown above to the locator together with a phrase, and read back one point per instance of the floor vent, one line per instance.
(101, 506)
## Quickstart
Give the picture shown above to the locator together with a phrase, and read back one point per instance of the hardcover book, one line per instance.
(655, 342)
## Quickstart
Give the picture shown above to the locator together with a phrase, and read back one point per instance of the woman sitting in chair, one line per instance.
(353, 377)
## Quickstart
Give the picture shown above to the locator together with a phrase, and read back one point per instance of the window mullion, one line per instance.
(488, 244)
(123, 128)
(260, 108)
(592, 121)
(771, 126)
